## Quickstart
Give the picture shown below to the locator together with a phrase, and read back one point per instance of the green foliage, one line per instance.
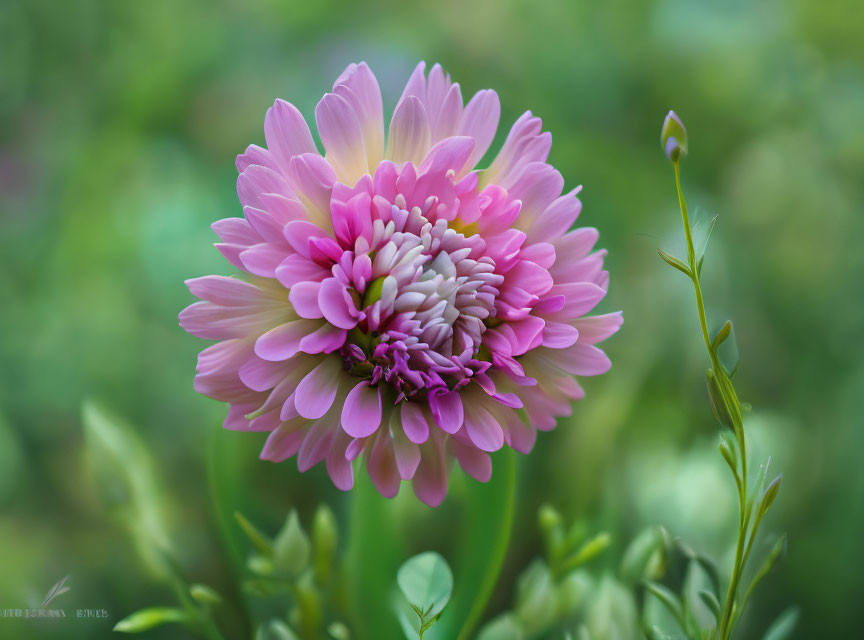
(556, 592)
(124, 473)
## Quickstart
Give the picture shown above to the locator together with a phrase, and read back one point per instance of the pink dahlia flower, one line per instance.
(395, 302)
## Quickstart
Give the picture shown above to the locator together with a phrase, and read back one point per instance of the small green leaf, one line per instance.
(260, 541)
(591, 549)
(572, 591)
(727, 351)
(722, 334)
(291, 548)
(504, 627)
(552, 526)
(711, 602)
(783, 626)
(703, 225)
(672, 261)
(260, 565)
(703, 561)
(535, 597)
(325, 536)
(338, 631)
(275, 629)
(426, 582)
(715, 398)
(373, 291)
(204, 594)
(645, 557)
(669, 599)
(655, 633)
(776, 553)
(768, 496)
(728, 450)
(149, 618)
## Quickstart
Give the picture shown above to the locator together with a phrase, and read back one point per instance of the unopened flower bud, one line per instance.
(673, 137)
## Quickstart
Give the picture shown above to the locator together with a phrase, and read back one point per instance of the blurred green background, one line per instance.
(120, 122)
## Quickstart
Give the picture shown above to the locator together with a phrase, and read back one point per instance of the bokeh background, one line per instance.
(119, 124)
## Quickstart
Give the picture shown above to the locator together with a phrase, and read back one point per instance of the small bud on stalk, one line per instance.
(673, 137)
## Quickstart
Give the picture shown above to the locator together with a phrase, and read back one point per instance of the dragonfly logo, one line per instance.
(58, 589)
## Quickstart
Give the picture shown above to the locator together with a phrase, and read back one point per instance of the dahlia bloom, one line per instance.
(396, 303)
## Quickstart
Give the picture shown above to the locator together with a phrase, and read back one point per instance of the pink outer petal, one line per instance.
(284, 441)
(317, 443)
(581, 360)
(410, 136)
(256, 155)
(283, 342)
(537, 187)
(325, 339)
(517, 434)
(447, 410)
(316, 392)
(339, 468)
(450, 153)
(265, 225)
(256, 180)
(557, 335)
(342, 136)
(287, 133)
(473, 461)
(263, 259)
(480, 121)
(229, 292)
(304, 298)
(262, 375)
(382, 466)
(406, 452)
(312, 177)
(483, 429)
(430, 479)
(595, 329)
(579, 299)
(524, 144)
(296, 268)
(414, 423)
(336, 304)
(358, 86)
(213, 322)
(556, 219)
(361, 414)
(299, 232)
(236, 231)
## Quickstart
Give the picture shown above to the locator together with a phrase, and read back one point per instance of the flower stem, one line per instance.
(507, 460)
(733, 407)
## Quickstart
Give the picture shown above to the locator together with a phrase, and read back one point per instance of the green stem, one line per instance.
(507, 460)
(733, 406)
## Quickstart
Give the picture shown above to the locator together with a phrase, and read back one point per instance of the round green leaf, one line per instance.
(426, 582)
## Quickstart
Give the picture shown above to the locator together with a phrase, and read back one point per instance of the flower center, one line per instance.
(425, 308)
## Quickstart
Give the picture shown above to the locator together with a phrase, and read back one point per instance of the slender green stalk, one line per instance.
(732, 406)
(493, 568)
